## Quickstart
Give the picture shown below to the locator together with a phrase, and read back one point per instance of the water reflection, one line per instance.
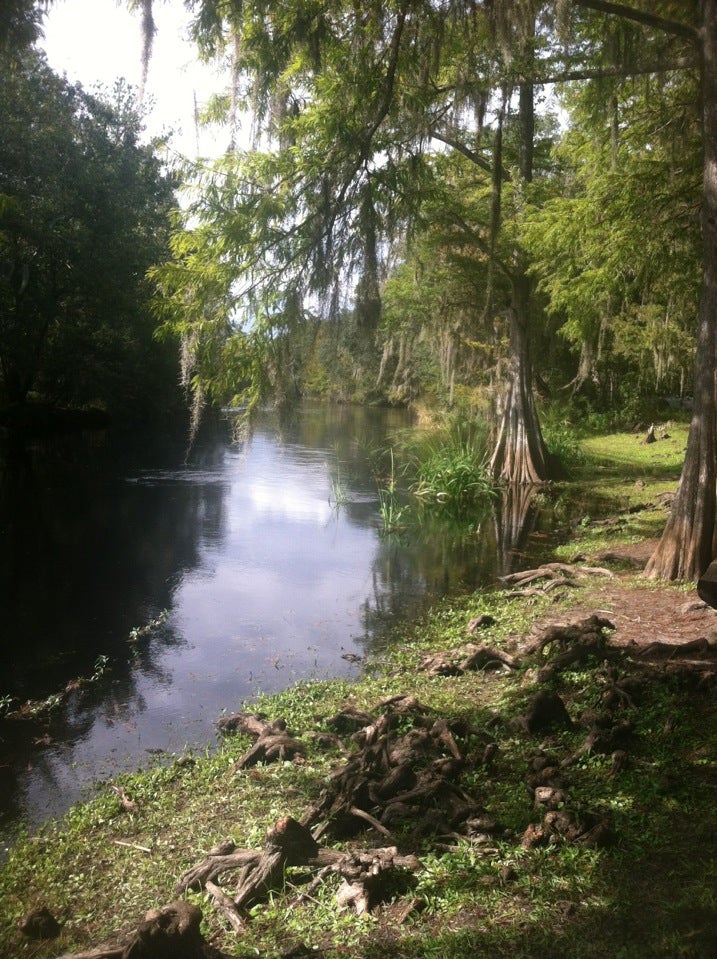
(265, 577)
(262, 577)
(516, 517)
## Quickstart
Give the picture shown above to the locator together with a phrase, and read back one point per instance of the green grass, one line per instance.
(625, 458)
(651, 893)
(627, 483)
(562, 901)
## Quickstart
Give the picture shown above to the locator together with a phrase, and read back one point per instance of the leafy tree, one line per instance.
(20, 24)
(441, 302)
(355, 95)
(685, 36)
(618, 252)
(350, 103)
(84, 211)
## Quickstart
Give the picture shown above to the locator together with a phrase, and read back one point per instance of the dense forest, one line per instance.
(507, 208)
(84, 212)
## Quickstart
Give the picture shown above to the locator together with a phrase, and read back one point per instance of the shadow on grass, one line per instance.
(651, 894)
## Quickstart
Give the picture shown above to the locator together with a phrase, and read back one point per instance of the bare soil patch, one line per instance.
(643, 614)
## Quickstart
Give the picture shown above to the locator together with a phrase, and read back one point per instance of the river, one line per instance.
(260, 563)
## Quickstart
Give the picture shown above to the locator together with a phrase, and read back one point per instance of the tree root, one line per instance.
(169, 933)
(469, 658)
(555, 574)
(366, 874)
(273, 742)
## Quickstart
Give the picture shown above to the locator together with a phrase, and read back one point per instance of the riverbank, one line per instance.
(581, 834)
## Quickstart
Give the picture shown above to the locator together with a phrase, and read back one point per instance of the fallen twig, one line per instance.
(131, 845)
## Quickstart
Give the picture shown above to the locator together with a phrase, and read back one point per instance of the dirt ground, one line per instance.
(654, 613)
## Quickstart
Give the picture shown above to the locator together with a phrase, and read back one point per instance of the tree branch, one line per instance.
(477, 240)
(383, 107)
(395, 47)
(601, 73)
(467, 152)
(673, 27)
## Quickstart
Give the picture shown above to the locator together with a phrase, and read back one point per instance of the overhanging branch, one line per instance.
(467, 152)
(674, 27)
(602, 73)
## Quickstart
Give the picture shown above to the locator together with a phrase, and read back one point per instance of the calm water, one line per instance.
(265, 578)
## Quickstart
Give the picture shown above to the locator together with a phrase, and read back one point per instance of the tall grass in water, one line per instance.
(390, 507)
(447, 466)
(339, 495)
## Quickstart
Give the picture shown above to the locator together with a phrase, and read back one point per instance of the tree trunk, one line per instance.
(520, 455)
(689, 540)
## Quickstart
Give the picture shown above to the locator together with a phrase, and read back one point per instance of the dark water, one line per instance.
(265, 578)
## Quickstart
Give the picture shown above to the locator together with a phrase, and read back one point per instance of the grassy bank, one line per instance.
(646, 889)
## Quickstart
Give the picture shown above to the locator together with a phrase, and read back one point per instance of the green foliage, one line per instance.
(439, 301)
(452, 476)
(83, 214)
(618, 253)
(391, 507)
(346, 102)
(138, 633)
(394, 191)
(562, 437)
(446, 465)
(20, 24)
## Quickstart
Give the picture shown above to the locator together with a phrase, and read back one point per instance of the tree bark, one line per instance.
(520, 456)
(689, 541)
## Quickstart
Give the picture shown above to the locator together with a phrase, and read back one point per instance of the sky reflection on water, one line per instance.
(266, 579)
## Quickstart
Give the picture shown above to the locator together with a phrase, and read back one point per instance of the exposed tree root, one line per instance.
(366, 874)
(574, 644)
(273, 742)
(467, 659)
(402, 767)
(554, 574)
(169, 933)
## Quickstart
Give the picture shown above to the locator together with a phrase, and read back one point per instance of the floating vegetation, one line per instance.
(141, 632)
(12, 708)
(36, 708)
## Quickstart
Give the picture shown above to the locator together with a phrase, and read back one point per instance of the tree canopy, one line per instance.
(84, 212)
(351, 103)
(400, 174)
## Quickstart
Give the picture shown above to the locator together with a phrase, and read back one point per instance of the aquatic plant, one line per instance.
(450, 467)
(139, 632)
(391, 509)
(339, 495)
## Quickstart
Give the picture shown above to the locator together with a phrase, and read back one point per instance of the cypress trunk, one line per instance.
(520, 455)
(689, 542)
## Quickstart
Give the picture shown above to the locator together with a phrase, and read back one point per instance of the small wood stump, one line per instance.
(39, 923)
(169, 933)
(545, 711)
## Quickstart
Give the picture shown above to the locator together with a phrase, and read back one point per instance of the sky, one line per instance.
(97, 41)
